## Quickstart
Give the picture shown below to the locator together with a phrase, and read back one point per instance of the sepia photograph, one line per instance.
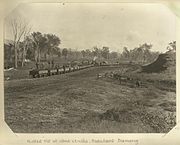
(90, 68)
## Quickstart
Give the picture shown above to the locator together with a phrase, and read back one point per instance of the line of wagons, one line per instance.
(37, 73)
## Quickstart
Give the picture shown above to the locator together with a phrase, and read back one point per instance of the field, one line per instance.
(78, 102)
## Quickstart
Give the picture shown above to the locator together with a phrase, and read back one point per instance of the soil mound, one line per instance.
(165, 62)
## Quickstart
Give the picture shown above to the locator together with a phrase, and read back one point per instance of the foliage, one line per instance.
(172, 46)
(141, 54)
(105, 52)
(52, 43)
(37, 46)
(65, 52)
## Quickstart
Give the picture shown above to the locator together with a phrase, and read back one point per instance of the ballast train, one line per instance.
(37, 73)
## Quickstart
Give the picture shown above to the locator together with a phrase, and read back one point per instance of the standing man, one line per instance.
(64, 68)
(52, 63)
(37, 65)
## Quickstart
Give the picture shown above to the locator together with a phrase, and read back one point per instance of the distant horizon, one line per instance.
(74, 49)
(83, 26)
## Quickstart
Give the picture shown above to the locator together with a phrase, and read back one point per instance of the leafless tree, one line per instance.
(25, 44)
(20, 28)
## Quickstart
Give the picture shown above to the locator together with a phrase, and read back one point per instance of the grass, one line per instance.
(164, 81)
(79, 102)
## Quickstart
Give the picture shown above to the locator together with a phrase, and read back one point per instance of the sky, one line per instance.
(84, 25)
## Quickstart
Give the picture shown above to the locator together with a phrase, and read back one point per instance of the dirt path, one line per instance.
(77, 102)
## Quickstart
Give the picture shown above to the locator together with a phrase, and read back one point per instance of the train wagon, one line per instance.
(75, 68)
(53, 72)
(38, 73)
(60, 70)
(66, 69)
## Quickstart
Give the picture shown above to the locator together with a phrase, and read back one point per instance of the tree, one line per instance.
(88, 53)
(105, 52)
(39, 43)
(8, 55)
(77, 54)
(52, 43)
(65, 52)
(141, 54)
(126, 53)
(113, 55)
(30, 53)
(83, 52)
(96, 52)
(58, 51)
(172, 46)
(26, 44)
(19, 28)
(147, 52)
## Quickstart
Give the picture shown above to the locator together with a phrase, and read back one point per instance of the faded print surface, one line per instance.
(90, 67)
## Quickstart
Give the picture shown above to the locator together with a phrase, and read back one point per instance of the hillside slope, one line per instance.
(166, 62)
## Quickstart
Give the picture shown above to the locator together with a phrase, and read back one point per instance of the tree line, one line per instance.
(141, 54)
(36, 46)
(103, 53)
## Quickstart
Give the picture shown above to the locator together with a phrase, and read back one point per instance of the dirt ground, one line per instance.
(78, 102)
